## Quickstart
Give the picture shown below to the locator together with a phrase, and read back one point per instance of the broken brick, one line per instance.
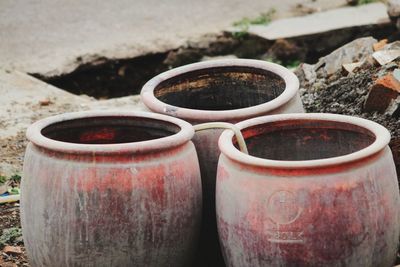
(45, 102)
(382, 93)
(379, 45)
(12, 250)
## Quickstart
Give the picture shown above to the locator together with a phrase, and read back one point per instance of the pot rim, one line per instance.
(34, 134)
(154, 104)
(381, 134)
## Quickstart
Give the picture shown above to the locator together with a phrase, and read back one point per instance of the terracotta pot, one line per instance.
(221, 90)
(315, 190)
(111, 189)
(227, 91)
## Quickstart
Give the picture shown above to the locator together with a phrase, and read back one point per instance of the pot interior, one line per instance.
(109, 130)
(220, 88)
(297, 140)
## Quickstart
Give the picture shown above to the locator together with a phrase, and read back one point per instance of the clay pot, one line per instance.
(227, 91)
(111, 189)
(315, 190)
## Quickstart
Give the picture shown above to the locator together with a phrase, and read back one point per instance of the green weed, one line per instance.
(3, 179)
(364, 2)
(10, 235)
(16, 178)
(244, 24)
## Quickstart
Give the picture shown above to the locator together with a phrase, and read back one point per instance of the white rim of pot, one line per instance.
(291, 89)
(185, 134)
(381, 134)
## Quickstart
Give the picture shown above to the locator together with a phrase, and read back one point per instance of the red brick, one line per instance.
(381, 94)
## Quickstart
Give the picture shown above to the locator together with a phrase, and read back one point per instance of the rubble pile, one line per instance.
(361, 79)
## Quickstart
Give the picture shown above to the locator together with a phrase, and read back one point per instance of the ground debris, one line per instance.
(346, 93)
(12, 250)
(382, 93)
(355, 51)
(379, 45)
(11, 235)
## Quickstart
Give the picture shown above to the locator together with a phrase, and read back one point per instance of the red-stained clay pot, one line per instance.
(315, 190)
(226, 91)
(111, 189)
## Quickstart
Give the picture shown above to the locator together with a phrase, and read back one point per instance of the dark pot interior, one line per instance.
(305, 140)
(109, 130)
(220, 88)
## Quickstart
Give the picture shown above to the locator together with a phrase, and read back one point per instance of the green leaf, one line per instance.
(14, 191)
(3, 179)
(16, 178)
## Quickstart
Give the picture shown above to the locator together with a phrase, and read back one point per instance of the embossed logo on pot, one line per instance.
(283, 207)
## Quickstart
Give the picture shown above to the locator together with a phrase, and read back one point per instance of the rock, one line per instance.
(384, 57)
(355, 51)
(12, 250)
(392, 46)
(350, 67)
(379, 45)
(367, 63)
(321, 22)
(221, 46)
(286, 50)
(394, 108)
(393, 8)
(306, 72)
(45, 102)
(396, 74)
(251, 47)
(182, 56)
(304, 9)
(352, 2)
(385, 69)
(382, 93)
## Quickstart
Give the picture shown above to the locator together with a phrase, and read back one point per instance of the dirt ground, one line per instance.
(346, 94)
(10, 220)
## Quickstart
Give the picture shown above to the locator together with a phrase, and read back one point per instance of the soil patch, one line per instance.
(11, 227)
(346, 95)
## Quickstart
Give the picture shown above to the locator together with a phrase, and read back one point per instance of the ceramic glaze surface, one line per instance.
(331, 199)
(111, 189)
(226, 91)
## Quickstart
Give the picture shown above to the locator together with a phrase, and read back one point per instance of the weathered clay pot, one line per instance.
(227, 91)
(111, 189)
(315, 190)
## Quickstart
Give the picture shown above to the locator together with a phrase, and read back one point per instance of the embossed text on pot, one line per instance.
(315, 190)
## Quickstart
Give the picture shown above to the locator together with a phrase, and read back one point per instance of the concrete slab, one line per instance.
(25, 100)
(53, 37)
(321, 22)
